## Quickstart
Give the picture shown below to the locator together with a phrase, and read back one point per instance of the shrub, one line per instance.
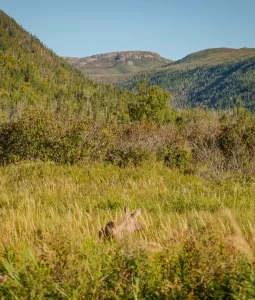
(176, 154)
(127, 155)
(151, 103)
(236, 142)
(44, 136)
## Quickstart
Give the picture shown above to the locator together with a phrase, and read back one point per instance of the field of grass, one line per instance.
(197, 243)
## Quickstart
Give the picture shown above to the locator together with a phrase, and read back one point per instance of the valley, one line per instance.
(174, 140)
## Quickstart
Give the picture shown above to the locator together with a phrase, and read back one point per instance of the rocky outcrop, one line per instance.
(107, 60)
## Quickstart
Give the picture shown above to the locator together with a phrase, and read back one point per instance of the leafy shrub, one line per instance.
(176, 154)
(128, 155)
(44, 136)
(151, 104)
(214, 141)
(236, 141)
(137, 142)
(199, 270)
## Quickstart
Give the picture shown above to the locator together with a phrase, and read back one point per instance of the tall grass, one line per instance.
(189, 248)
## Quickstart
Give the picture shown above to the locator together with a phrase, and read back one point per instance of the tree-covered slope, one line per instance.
(211, 78)
(33, 75)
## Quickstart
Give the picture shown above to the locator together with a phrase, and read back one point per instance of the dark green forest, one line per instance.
(219, 86)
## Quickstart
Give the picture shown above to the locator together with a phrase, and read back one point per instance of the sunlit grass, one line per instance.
(51, 215)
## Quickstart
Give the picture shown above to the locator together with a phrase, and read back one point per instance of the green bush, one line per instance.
(176, 154)
(43, 136)
(236, 141)
(200, 270)
(151, 103)
(213, 141)
(128, 156)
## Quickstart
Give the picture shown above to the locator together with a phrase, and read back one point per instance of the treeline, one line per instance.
(217, 87)
(51, 112)
(192, 141)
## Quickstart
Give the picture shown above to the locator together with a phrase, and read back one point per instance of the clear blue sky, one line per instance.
(173, 28)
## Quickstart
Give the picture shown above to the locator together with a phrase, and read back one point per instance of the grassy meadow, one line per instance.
(197, 243)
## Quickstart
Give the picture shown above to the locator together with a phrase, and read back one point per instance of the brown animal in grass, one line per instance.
(121, 229)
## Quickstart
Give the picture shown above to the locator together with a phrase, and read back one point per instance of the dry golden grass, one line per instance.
(41, 197)
(52, 214)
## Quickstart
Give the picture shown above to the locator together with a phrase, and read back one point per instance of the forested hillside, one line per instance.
(33, 75)
(214, 79)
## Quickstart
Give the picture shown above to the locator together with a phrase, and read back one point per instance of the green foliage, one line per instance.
(33, 76)
(127, 156)
(218, 142)
(152, 103)
(176, 154)
(201, 85)
(40, 135)
(193, 273)
(137, 66)
(236, 140)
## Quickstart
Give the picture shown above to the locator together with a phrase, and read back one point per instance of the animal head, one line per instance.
(118, 230)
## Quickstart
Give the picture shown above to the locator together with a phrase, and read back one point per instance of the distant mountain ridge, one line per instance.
(217, 55)
(115, 63)
(213, 78)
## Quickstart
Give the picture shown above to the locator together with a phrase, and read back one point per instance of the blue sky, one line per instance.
(173, 28)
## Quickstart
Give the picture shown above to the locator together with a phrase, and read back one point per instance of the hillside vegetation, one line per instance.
(214, 78)
(32, 75)
(74, 152)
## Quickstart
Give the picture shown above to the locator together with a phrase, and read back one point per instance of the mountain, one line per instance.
(216, 56)
(34, 76)
(107, 65)
(214, 78)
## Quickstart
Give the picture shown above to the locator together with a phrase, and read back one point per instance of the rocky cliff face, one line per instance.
(118, 62)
